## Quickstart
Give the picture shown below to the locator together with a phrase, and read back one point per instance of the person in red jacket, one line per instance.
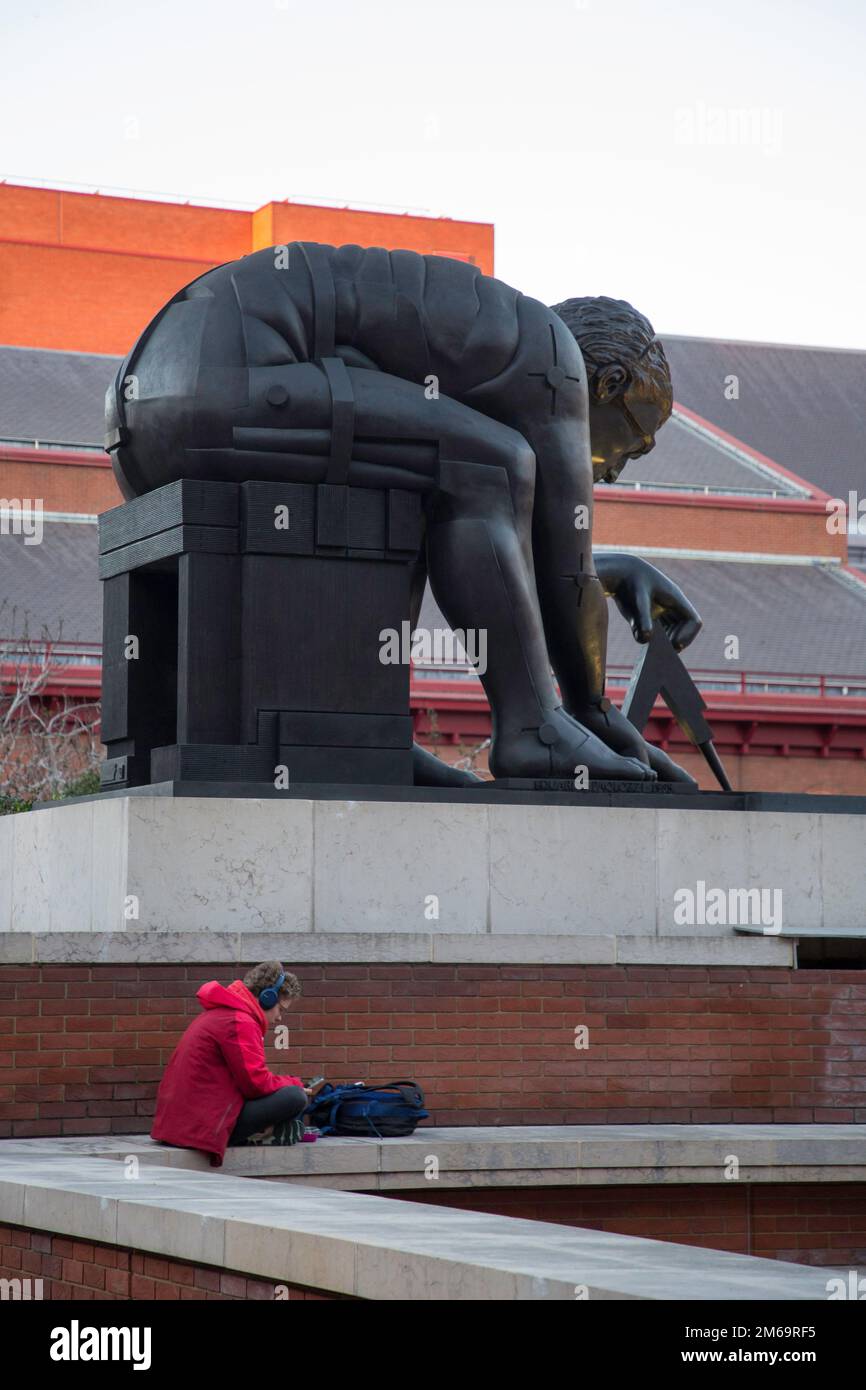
(217, 1089)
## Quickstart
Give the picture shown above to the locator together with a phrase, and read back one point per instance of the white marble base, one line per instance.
(412, 880)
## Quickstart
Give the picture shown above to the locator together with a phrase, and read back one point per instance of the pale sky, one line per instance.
(703, 160)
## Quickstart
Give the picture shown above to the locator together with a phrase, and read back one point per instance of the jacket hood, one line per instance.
(213, 995)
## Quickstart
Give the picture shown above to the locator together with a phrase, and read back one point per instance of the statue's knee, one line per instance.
(519, 464)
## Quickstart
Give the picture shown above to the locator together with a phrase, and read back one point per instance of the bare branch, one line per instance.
(47, 741)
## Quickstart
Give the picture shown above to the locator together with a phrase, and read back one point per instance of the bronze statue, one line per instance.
(376, 369)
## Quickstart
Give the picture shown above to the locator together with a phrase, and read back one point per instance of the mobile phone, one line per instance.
(316, 1084)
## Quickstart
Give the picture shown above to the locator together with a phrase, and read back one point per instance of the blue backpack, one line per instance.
(386, 1112)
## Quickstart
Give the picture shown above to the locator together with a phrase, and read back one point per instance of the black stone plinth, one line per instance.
(241, 634)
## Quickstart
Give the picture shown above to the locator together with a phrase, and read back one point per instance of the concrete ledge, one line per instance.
(383, 948)
(523, 1156)
(369, 1247)
(813, 933)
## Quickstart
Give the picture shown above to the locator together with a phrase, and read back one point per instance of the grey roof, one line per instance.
(53, 586)
(792, 618)
(802, 406)
(686, 454)
(56, 397)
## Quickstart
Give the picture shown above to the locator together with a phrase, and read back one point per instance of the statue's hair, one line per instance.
(611, 330)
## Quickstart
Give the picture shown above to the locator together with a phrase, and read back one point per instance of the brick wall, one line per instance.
(85, 487)
(82, 1048)
(809, 775)
(79, 1269)
(805, 1223)
(78, 300)
(714, 523)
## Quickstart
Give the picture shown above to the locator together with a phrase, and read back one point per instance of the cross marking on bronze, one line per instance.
(555, 376)
(581, 579)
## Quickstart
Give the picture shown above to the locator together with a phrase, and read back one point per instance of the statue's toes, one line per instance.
(642, 773)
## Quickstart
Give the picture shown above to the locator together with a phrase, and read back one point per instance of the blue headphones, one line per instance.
(269, 996)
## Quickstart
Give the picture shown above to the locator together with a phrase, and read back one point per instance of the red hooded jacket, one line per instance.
(217, 1065)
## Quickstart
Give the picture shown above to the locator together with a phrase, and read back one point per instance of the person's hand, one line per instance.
(642, 593)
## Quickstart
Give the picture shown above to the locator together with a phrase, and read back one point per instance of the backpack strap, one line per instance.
(409, 1090)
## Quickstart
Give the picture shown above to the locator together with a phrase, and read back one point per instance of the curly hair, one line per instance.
(612, 330)
(260, 976)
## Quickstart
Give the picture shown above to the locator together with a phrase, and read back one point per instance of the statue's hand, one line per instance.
(642, 593)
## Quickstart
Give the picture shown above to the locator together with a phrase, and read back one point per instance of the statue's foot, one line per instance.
(430, 771)
(614, 729)
(561, 747)
(669, 771)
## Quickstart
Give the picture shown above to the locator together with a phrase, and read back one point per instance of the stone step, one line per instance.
(526, 1155)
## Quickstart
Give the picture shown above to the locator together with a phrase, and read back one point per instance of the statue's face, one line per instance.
(620, 429)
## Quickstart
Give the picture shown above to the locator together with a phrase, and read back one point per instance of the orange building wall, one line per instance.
(279, 223)
(83, 301)
(715, 524)
(57, 218)
(86, 273)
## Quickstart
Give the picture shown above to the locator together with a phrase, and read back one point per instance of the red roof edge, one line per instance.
(752, 453)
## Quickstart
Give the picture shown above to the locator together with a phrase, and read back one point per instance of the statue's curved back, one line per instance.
(197, 367)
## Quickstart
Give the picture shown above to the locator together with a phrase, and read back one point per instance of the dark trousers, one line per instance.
(257, 1114)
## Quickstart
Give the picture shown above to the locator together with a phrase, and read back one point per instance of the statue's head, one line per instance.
(630, 394)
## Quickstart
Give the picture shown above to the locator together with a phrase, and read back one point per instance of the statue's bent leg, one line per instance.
(543, 395)
(480, 581)
(479, 488)
(574, 605)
